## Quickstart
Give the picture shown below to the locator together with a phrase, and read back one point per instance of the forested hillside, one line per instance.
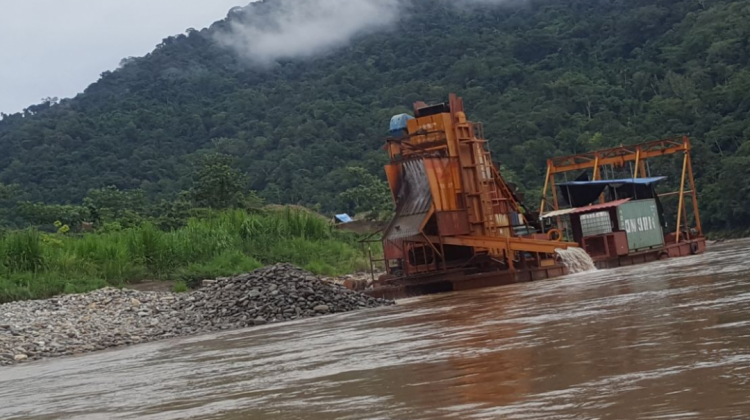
(547, 77)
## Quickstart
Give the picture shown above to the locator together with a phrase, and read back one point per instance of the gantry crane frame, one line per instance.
(618, 157)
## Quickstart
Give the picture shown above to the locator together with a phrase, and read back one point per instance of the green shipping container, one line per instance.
(640, 219)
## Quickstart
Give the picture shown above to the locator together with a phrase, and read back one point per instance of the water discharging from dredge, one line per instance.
(576, 259)
(670, 339)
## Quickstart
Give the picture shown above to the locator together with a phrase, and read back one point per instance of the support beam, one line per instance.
(598, 176)
(619, 156)
(555, 201)
(637, 163)
(434, 249)
(682, 197)
(597, 169)
(504, 243)
(543, 207)
(694, 193)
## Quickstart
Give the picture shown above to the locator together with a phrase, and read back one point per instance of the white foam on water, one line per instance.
(576, 259)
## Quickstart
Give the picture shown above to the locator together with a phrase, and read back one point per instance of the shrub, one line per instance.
(180, 287)
(22, 251)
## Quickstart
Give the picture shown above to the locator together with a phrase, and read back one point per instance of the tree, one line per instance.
(172, 214)
(110, 204)
(8, 197)
(370, 196)
(217, 185)
(39, 214)
(8, 192)
(553, 77)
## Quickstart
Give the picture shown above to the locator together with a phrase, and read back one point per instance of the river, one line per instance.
(667, 340)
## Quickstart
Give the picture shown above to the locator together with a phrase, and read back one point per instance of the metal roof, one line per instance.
(344, 218)
(557, 213)
(596, 207)
(636, 181)
(578, 210)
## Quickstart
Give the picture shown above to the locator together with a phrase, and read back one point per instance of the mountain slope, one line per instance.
(546, 77)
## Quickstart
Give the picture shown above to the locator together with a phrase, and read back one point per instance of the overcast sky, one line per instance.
(56, 48)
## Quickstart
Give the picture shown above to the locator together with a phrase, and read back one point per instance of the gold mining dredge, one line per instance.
(458, 225)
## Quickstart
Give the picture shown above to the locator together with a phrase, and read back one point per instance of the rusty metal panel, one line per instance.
(393, 174)
(434, 171)
(453, 223)
(442, 174)
(406, 226)
(413, 202)
(596, 246)
(504, 227)
(393, 250)
(414, 196)
(429, 129)
(621, 243)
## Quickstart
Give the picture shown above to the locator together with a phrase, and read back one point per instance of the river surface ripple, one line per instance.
(667, 340)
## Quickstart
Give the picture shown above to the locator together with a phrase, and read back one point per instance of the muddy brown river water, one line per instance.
(668, 340)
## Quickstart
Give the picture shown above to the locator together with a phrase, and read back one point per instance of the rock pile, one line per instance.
(366, 278)
(108, 318)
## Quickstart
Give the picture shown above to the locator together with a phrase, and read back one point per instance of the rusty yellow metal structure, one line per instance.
(453, 208)
(637, 155)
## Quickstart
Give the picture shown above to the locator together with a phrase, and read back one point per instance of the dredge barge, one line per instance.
(458, 225)
(623, 221)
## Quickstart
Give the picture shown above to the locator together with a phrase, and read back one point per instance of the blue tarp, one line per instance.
(344, 218)
(399, 123)
(636, 181)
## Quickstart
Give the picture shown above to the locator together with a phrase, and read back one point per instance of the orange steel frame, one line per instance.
(479, 183)
(618, 157)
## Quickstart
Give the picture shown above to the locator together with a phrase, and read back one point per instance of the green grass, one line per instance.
(180, 287)
(35, 265)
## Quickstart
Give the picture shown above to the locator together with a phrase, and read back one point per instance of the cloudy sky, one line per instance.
(57, 48)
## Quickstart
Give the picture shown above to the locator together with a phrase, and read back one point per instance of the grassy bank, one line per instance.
(36, 265)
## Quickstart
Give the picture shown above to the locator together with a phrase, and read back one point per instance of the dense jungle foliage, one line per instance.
(547, 77)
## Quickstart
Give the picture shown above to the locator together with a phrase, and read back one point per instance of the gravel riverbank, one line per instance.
(107, 318)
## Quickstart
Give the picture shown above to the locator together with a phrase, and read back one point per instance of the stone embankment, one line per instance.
(107, 318)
